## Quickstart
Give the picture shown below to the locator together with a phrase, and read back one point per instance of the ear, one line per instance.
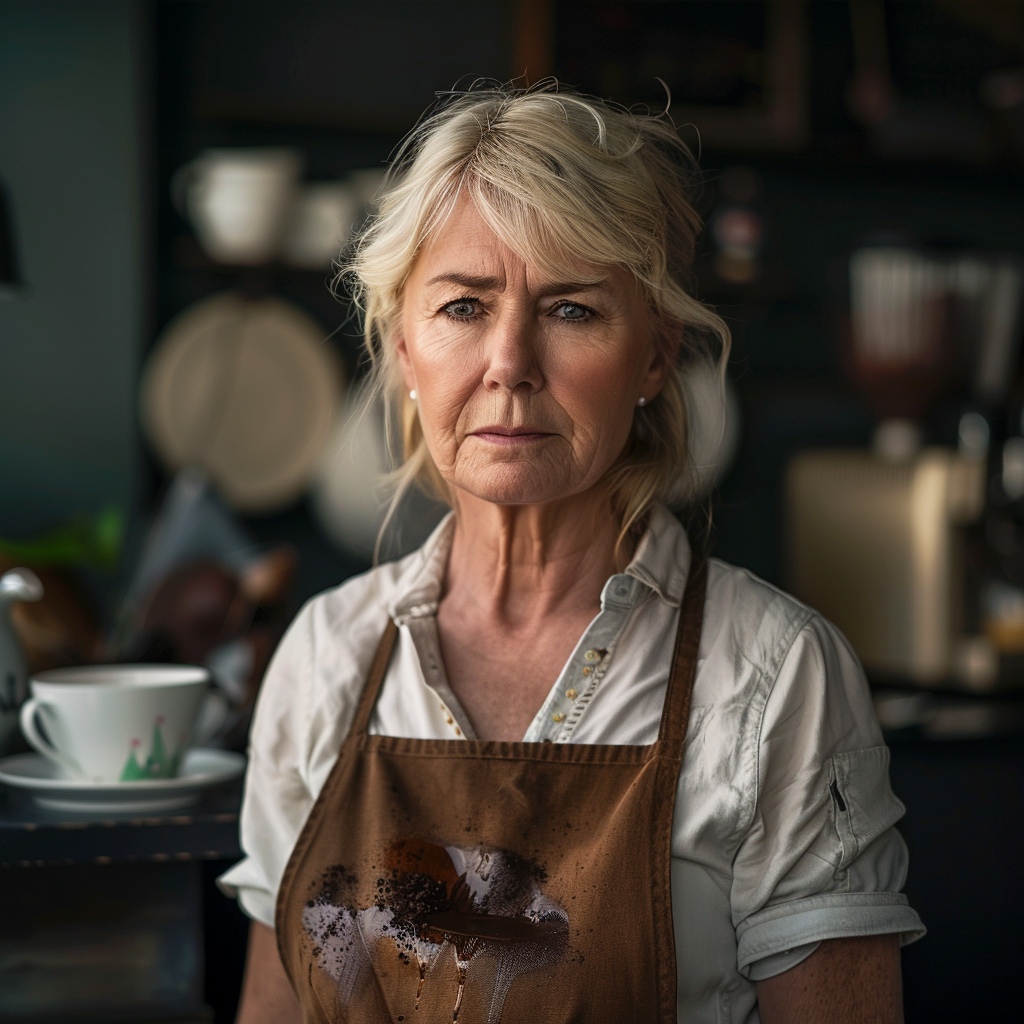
(404, 362)
(664, 353)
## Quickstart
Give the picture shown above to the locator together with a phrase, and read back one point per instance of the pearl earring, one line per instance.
(413, 395)
(641, 400)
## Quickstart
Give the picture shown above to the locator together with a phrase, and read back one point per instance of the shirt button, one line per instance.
(592, 655)
(571, 694)
(587, 670)
(557, 716)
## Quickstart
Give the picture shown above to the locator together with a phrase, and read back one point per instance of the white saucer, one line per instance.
(200, 769)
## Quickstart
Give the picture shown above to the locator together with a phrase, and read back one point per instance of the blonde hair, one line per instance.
(562, 179)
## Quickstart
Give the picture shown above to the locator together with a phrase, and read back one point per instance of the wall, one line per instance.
(69, 155)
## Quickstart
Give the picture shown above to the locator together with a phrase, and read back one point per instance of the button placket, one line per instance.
(579, 679)
(565, 704)
(593, 675)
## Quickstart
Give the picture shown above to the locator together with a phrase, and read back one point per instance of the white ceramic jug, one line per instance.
(16, 585)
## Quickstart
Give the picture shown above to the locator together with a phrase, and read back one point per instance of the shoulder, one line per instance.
(743, 615)
(770, 665)
(750, 627)
(774, 643)
(349, 618)
(781, 638)
(343, 626)
(315, 677)
(753, 624)
(778, 693)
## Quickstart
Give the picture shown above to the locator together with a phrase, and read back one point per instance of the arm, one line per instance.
(821, 858)
(267, 996)
(844, 981)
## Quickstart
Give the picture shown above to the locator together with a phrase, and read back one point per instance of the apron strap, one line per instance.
(378, 669)
(675, 715)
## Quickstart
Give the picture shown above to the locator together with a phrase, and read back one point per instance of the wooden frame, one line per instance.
(782, 122)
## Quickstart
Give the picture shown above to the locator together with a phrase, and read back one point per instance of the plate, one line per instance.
(200, 770)
(245, 389)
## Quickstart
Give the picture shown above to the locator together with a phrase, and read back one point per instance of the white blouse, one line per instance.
(783, 828)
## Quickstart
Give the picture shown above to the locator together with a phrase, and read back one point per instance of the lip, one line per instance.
(509, 435)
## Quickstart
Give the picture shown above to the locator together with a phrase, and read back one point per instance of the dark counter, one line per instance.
(963, 826)
(30, 837)
(119, 918)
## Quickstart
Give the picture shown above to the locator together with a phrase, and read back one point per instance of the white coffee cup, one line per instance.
(322, 220)
(121, 723)
(238, 200)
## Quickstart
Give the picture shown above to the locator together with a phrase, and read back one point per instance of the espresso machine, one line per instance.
(877, 539)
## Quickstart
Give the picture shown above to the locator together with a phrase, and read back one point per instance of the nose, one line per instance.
(512, 354)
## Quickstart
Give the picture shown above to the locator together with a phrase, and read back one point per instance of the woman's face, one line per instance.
(526, 386)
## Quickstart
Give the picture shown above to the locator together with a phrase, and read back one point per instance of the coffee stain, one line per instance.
(440, 908)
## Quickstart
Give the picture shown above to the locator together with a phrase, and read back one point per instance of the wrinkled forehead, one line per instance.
(471, 237)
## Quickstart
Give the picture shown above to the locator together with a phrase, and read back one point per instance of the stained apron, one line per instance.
(488, 881)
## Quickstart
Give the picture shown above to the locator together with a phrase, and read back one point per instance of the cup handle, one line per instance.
(30, 729)
(212, 716)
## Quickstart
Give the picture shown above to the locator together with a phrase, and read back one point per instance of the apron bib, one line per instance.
(439, 881)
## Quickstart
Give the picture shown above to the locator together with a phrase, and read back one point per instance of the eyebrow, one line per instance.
(482, 283)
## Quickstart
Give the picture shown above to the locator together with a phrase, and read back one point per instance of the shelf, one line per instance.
(946, 714)
(30, 837)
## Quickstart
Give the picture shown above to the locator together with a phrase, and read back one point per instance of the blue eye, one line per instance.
(572, 311)
(461, 309)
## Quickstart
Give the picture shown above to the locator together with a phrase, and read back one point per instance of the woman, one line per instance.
(554, 765)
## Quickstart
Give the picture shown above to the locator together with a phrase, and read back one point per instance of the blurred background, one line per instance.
(180, 469)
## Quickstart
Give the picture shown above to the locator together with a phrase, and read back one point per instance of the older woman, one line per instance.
(554, 765)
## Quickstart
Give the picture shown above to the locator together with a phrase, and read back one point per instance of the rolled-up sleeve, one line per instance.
(820, 858)
(277, 796)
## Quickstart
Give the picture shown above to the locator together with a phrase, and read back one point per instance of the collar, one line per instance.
(418, 587)
(661, 564)
(663, 556)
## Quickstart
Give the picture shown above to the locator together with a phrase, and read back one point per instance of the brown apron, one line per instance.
(483, 881)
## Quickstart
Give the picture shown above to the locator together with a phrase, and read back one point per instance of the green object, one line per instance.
(133, 771)
(157, 765)
(87, 540)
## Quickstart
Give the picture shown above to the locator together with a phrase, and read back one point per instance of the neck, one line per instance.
(522, 563)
